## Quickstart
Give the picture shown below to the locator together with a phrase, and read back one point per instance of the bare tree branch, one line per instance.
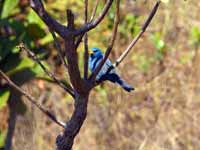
(73, 126)
(94, 23)
(66, 87)
(79, 40)
(72, 38)
(66, 140)
(60, 52)
(134, 41)
(32, 100)
(38, 7)
(116, 23)
(86, 11)
(86, 56)
(72, 57)
(94, 11)
(86, 43)
(114, 34)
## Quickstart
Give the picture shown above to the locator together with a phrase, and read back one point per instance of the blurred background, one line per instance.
(163, 113)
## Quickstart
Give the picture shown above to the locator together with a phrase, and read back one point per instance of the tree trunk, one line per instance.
(66, 140)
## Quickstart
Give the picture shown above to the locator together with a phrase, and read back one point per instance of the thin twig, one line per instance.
(94, 11)
(86, 56)
(116, 23)
(67, 88)
(32, 100)
(86, 11)
(79, 40)
(60, 52)
(134, 41)
(114, 34)
(94, 23)
(86, 44)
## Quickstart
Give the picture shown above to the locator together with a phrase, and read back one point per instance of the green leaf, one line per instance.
(7, 46)
(33, 18)
(38, 70)
(24, 63)
(195, 36)
(158, 42)
(47, 39)
(159, 54)
(8, 7)
(17, 26)
(4, 96)
(35, 31)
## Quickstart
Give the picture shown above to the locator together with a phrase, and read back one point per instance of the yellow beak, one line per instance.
(90, 52)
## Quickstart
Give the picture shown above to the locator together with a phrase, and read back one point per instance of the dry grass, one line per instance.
(162, 114)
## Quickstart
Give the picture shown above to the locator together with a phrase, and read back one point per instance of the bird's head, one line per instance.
(95, 52)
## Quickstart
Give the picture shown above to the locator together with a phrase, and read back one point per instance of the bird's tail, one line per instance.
(124, 85)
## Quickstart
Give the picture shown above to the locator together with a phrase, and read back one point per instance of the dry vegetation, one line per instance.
(161, 114)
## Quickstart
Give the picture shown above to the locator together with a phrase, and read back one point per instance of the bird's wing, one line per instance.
(106, 69)
(109, 67)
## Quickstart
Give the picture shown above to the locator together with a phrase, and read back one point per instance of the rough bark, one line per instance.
(65, 140)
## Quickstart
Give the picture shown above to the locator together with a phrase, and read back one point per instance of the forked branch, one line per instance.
(38, 7)
(94, 23)
(81, 87)
(143, 29)
(94, 11)
(114, 35)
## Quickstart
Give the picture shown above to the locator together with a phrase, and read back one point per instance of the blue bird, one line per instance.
(107, 72)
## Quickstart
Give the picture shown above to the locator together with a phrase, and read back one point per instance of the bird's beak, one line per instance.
(90, 52)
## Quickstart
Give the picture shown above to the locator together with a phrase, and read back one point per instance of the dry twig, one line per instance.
(114, 34)
(94, 11)
(96, 21)
(32, 100)
(66, 87)
(134, 41)
(86, 44)
(60, 51)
